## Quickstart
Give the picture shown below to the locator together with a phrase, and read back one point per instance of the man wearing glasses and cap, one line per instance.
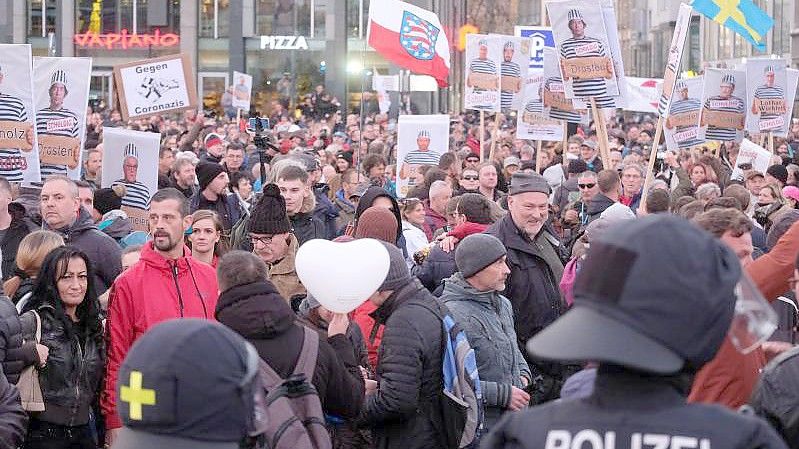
(12, 109)
(769, 102)
(582, 46)
(57, 121)
(422, 155)
(137, 194)
(726, 102)
(686, 136)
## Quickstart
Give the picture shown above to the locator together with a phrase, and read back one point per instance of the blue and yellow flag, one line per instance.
(741, 16)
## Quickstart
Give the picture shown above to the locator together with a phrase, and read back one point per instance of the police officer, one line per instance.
(188, 384)
(651, 316)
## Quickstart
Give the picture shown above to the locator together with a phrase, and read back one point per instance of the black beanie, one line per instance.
(779, 172)
(269, 216)
(108, 199)
(206, 172)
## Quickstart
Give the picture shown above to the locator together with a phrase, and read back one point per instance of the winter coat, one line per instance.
(259, 314)
(366, 201)
(13, 419)
(103, 251)
(487, 319)
(284, 274)
(439, 265)
(362, 316)
(325, 211)
(597, 205)
(20, 227)
(404, 413)
(71, 379)
(433, 221)
(776, 395)
(346, 212)
(562, 194)
(149, 292)
(631, 201)
(14, 354)
(415, 239)
(354, 334)
(307, 227)
(226, 207)
(116, 225)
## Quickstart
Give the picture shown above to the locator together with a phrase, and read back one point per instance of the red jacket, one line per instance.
(361, 317)
(145, 295)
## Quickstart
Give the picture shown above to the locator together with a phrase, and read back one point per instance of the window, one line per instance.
(214, 18)
(41, 17)
(104, 16)
(289, 17)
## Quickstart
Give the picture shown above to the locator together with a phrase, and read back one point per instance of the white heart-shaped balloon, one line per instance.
(341, 276)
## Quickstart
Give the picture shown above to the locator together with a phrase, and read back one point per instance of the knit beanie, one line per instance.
(206, 172)
(778, 171)
(268, 216)
(476, 252)
(108, 199)
(398, 275)
(377, 223)
(528, 182)
(213, 139)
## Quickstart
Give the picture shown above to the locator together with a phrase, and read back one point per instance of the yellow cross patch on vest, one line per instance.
(136, 396)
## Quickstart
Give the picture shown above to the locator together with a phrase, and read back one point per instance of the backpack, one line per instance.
(461, 399)
(293, 417)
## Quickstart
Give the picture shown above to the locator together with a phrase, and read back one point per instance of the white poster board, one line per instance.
(723, 105)
(553, 95)
(242, 91)
(681, 127)
(793, 81)
(751, 153)
(61, 98)
(674, 57)
(483, 59)
(18, 161)
(766, 102)
(155, 86)
(421, 140)
(531, 123)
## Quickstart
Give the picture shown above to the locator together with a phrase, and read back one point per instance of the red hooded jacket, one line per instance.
(153, 290)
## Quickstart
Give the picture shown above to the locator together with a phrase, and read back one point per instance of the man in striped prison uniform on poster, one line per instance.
(582, 46)
(685, 136)
(420, 156)
(554, 84)
(510, 69)
(136, 194)
(768, 91)
(724, 102)
(482, 65)
(12, 163)
(55, 120)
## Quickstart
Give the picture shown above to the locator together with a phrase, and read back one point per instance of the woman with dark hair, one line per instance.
(71, 375)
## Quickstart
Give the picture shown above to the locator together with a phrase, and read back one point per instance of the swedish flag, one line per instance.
(741, 16)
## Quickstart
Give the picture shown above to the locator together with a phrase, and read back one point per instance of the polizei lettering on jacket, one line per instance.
(592, 439)
(158, 107)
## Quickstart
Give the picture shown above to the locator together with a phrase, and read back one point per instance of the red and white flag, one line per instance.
(410, 37)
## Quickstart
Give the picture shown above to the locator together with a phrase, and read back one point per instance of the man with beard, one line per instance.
(166, 283)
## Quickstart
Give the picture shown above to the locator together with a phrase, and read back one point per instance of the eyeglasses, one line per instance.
(261, 240)
(587, 186)
(470, 178)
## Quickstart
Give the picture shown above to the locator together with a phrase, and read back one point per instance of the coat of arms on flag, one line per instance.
(418, 36)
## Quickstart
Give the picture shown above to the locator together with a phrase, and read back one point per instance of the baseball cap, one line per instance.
(628, 303)
(510, 160)
(754, 174)
(187, 384)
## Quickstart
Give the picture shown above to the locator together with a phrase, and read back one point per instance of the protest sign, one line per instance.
(540, 38)
(242, 90)
(674, 57)
(18, 161)
(130, 158)
(584, 50)
(751, 153)
(421, 140)
(681, 127)
(723, 108)
(483, 62)
(60, 100)
(531, 123)
(766, 82)
(513, 69)
(155, 86)
(556, 105)
(792, 82)
(642, 94)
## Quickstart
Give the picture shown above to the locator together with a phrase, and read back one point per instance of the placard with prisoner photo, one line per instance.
(767, 108)
(18, 160)
(553, 95)
(421, 140)
(483, 61)
(513, 70)
(723, 105)
(61, 97)
(681, 126)
(584, 49)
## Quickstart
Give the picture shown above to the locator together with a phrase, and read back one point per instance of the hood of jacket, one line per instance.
(83, 223)
(308, 203)
(599, 203)
(254, 311)
(116, 226)
(399, 297)
(155, 260)
(457, 289)
(369, 197)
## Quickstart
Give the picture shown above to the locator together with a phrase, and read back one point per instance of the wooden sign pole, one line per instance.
(494, 135)
(771, 141)
(482, 133)
(653, 154)
(601, 132)
(538, 150)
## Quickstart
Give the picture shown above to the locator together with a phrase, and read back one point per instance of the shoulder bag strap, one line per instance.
(310, 350)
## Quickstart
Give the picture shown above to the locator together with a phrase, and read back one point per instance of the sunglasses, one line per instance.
(470, 178)
(472, 160)
(586, 186)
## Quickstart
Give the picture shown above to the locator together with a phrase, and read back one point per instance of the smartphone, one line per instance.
(252, 125)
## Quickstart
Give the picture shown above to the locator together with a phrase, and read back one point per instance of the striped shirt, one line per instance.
(534, 106)
(509, 68)
(48, 118)
(136, 194)
(723, 134)
(555, 84)
(416, 158)
(11, 160)
(681, 107)
(592, 87)
(765, 92)
(484, 66)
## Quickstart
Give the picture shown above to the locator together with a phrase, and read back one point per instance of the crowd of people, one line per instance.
(625, 296)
